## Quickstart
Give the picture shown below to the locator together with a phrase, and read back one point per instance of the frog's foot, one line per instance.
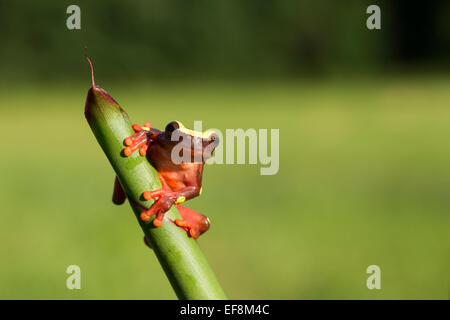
(190, 228)
(139, 140)
(164, 199)
(193, 222)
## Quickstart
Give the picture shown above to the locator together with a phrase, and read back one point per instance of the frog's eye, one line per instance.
(214, 138)
(172, 126)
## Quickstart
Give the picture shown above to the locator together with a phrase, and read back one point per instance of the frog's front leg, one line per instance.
(193, 222)
(140, 140)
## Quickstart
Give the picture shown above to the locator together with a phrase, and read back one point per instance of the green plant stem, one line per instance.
(180, 256)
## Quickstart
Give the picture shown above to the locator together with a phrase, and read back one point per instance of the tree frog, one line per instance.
(180, 180)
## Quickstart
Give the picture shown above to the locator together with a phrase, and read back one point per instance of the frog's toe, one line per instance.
(138, 128)
(159, 208)
(190, 228)
(147, 195)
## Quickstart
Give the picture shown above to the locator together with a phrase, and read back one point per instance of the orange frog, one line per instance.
(178, 154)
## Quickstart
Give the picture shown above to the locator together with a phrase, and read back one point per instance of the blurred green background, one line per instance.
(364, 127)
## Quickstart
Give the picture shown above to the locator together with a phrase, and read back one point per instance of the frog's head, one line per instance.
(198, 144)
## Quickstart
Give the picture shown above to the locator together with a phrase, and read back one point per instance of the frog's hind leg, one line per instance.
(119, 195)
(193, 222)
(147, 242)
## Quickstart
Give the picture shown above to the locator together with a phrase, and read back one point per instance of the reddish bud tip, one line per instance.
(90, 64)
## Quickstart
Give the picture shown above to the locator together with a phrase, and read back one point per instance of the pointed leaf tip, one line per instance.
(99, 99)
